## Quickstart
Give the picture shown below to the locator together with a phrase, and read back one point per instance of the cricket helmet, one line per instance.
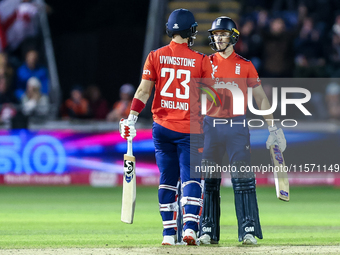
(223, 23)
(182, 22)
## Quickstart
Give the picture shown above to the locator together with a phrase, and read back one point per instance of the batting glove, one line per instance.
(276, 136)
(127, 127)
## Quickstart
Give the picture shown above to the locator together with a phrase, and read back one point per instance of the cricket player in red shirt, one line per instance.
(178, 142)
(237, 74)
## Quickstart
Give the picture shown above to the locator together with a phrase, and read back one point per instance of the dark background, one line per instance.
(98, 42)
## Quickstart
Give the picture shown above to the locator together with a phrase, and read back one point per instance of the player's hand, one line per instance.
(276, 136)
(127, 127)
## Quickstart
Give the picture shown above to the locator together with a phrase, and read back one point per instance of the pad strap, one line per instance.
(191, 217)
(190, 182)
(170, 224)
(171, 207)
(164, 186)
(191, 201)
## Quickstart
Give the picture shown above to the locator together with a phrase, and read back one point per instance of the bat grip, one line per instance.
(129, 147)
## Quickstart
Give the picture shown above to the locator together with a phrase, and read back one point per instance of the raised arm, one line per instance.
(262, 103)
(276, 135)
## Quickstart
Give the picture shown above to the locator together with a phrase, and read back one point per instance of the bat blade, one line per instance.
(280, 176)
(129, 189)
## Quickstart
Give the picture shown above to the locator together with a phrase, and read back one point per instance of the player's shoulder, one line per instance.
(197, 52)
(160, 50)
(240, 58)
(154, 54)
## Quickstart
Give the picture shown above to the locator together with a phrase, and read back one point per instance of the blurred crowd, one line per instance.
(24, 77)
(295, 39)
(291, 38)
(282, 38)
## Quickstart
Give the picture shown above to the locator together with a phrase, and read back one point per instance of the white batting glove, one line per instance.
(276, 136)
(127, 127)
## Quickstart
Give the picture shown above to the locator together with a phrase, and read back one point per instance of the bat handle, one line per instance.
(129, 147)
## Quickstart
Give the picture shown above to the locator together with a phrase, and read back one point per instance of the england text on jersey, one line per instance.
(174, 105)
(177, 61)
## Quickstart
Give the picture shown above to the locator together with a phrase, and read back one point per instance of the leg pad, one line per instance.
(246, 207)
(210, 219)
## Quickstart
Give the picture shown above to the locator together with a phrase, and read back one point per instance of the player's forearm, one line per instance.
(269, 119)
(141, 96)
(263, 104)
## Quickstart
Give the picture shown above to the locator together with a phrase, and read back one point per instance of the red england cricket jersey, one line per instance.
(234, 71)
(176, 102)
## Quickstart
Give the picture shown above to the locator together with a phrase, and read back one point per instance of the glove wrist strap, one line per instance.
(133, 118)
(272, 128)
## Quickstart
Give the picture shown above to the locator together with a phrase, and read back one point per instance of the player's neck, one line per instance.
(227, 52)
(179, 39)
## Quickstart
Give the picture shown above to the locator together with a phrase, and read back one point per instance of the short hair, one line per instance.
(34, 82)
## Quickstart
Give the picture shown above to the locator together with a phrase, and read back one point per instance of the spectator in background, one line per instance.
(336, 25)
(8, 101)
(310, 60)
(280, 5)
(278, 46)
(8, 12)
(121, 109)
(5, 69)
(18, 20)
(33, 102)
(249, 44)
(76, 107)
(5, 95)
(278, 59)
(333, 100)
(25, 24)
(3, 42)
(31, 69)
(98, 105)
(323, 10)
(334, 49)
(308, 36)
(3, 63)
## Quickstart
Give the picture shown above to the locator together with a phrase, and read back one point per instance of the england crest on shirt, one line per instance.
(238, 69)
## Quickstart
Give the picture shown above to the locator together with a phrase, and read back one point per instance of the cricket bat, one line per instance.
(129, 185)
(280, 176)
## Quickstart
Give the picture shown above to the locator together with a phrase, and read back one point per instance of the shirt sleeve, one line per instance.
(253, 79)
(149, 72)
(207, 71)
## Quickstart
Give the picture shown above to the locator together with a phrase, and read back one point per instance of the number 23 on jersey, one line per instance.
(179, 74)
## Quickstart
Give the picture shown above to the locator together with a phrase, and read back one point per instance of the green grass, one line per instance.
(40, 217)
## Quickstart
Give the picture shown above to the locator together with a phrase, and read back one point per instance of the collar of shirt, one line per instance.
(233, 55)
(174, 44)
